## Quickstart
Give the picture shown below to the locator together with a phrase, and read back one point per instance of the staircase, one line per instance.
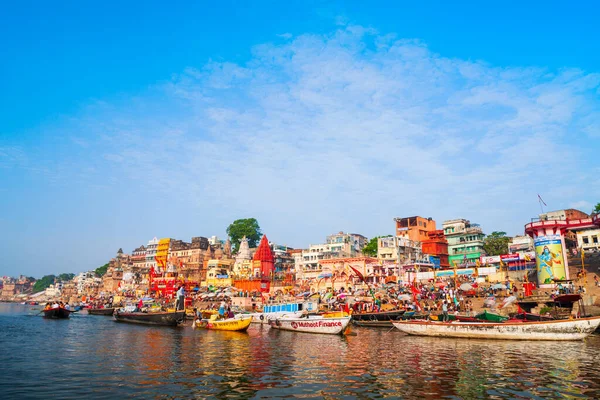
(592, 269)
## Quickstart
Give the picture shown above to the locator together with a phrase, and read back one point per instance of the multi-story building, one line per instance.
(588, 239)
(317, 252)
(151, 249)
(563, 215)
(414, 228)
(436, 246)
(196, 266)
(465, 242)
(138, 258)
(520, 245)
(357, 241)
(401, 250)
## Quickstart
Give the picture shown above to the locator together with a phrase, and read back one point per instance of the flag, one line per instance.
(540, 198)
(357, 272)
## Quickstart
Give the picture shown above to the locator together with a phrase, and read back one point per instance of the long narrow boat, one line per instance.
(317, 324)
(101, 311)
(230, 324)
(378, 316)
(57, 313)
(167, 318)
(572, 329)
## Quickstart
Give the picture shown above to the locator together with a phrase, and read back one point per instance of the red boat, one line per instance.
(57, 313)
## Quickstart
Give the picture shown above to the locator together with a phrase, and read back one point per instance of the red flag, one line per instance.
(357, 272)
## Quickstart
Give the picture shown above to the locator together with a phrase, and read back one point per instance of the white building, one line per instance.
(520, 245)
(151, 250)
(588, 239)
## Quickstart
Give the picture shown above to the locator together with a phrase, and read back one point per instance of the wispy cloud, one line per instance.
(350, 129)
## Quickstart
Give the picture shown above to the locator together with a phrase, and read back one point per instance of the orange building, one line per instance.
(414, 228)
(436, 245)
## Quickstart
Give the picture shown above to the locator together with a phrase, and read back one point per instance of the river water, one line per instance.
(93, 357)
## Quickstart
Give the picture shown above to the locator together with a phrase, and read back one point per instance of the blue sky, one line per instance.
(121, 123)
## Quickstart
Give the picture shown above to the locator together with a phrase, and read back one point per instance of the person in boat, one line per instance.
(48, 306)
(229, 313)
(222, 309)
(67, 307)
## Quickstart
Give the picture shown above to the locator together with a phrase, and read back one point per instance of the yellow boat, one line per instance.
(230, 324)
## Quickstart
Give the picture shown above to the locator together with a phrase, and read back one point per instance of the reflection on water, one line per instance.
(94, 357)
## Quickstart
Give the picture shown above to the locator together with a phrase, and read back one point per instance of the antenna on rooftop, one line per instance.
(542, 202)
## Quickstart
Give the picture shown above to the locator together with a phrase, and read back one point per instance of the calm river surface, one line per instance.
(93, 357)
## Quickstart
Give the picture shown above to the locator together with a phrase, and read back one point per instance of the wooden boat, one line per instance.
(101, 311)
(378, 316)
(373, 324)
(229, 324)
(490, 317)
(572, 329)
(57, 313)
(165, 318)
(316, 324)
(532, 317)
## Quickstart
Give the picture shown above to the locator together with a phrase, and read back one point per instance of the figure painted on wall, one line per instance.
(547, 261)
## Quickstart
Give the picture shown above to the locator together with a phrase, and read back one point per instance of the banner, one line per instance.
(509, 257)
(490, 260)
(549, 258)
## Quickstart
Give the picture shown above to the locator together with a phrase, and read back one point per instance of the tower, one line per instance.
(264, 258)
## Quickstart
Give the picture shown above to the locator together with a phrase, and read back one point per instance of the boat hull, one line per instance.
(575, 329)
(152, 318)
(57, 313)
(231, 324)
(373, 324)
(100, 311)
(380, 316)
(329, 326)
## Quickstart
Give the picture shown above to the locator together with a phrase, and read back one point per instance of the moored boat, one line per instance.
(293, 309)
(57, 313)
(378, 316)
(229, 324)
(101, 311)
(316, 324)
(572, 329)
(165, 318)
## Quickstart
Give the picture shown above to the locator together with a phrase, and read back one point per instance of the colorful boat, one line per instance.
(312, 324)
(294, 309)
(490, 317)
(573, 329)
(229, 324)
(378, 316)
(101, 311)
(57, 313)
(164, 318)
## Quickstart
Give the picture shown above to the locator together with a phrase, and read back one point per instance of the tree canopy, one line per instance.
(65, 277)
(43, 283)
(100, 271)
(244, 227)
(596, 209)
(371, 248)
(496, 243)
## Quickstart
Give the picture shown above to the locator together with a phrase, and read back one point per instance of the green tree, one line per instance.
(65, 277)
(596, 209)
(371, 248)
(43, 283)
(100, 271)
(496, 243)
(244, 227)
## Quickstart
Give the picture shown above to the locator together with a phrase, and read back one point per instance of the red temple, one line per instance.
(264, 256)
(437, 246)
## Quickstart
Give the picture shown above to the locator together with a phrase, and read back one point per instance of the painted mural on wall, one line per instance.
(549, 258)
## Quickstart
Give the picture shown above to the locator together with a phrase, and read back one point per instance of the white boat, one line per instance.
(291, 309)
(569, 329)
(312, 324)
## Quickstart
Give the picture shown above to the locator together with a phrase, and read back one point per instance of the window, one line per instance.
(585, 240)
(594, 239)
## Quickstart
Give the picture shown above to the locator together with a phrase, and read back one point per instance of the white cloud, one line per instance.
(350, 129)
